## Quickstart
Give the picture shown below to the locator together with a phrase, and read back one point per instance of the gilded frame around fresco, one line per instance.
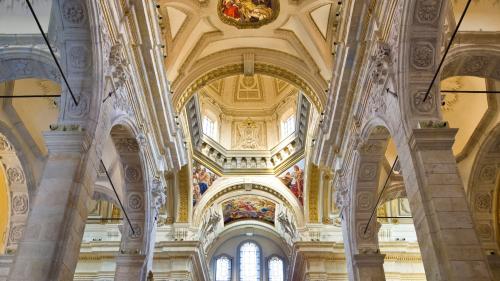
(241, 25)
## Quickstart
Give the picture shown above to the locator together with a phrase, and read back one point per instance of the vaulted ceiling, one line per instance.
(302, 35)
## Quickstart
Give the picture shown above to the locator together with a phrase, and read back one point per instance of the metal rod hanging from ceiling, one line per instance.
(447, 49)
(117, 197)
(381, 192)
(470, 92)
(394, 217)
(51, 52)
(29, 96)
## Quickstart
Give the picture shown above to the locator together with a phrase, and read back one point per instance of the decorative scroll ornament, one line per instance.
(119, 66)
(158, 195)
(341, 194)
(381, 61)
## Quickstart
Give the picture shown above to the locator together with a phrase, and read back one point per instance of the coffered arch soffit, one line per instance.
(483, 191)
(265, 186)
(473, 60)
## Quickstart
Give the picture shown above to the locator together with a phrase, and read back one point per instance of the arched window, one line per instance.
(249, 262)
(275, 268)
(223, 269)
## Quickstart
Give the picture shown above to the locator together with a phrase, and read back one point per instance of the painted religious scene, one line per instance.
(248, 207)
(293, 178)
(202, 180)
(248, 13)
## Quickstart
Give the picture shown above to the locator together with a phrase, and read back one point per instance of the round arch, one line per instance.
(267, 186)
(267, 62)
(16, 181)
(27, 62)
(472, 60)
(483, 192)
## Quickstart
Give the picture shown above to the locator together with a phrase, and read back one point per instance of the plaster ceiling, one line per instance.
(248, 95)
(15, 17)
(482, 15)
(464, 111)
(303, 29)
(39, 113)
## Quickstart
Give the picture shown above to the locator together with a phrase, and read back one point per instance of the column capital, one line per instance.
(374, 259)
(65, 141)
(433, 138)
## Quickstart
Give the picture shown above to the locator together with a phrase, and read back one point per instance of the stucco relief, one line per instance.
(427, 11)
(381, 60)
(368, 171)
(79, 57)
(79, 111)
(136, 233)
(16, 233)
(422, 55)
(133, 174)
(4, 144)
(135, 201)
(15, 175)
(364, 200)
(485, 232)
(73, 12)
(19, 204)
(476, 65)
(126, 145)
(488, 173)
(483, 202)
(422, 106)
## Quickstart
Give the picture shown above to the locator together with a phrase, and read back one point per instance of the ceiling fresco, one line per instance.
(248, 13)
(248, 207)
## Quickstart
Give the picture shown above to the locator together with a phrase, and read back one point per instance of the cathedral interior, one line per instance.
(249, 140)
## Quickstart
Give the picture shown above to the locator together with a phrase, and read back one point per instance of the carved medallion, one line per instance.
(15, 175)
(132, 174)
(422, 56)
(137, 233)
(73, 12)
(483, 202)
(20, 204)
(16, 233)
(248, 13)
(135, 201)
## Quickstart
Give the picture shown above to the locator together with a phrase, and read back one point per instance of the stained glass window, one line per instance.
(223, 269)
(249, 262)
(275, 267)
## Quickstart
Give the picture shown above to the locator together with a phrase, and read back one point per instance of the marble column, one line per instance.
(369, 266)
(130, 267)
(51, 241)
(448, 241)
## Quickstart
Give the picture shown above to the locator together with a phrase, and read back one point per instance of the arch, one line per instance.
(17, 189)
(267, 186)
(136, 186)
(472, 60)
(483, 192)
(269, 62)
(27, 62)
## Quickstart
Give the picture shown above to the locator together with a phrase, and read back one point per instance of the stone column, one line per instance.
(369, 266)
(130, 267)
(448, 241)
(314, 261)
(51, 241)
